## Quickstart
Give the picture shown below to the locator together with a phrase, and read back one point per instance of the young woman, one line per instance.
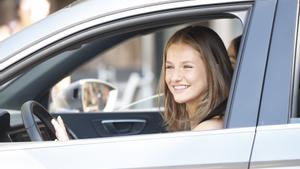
(195, 80)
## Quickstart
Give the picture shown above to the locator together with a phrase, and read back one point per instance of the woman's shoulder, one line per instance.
(211, 124)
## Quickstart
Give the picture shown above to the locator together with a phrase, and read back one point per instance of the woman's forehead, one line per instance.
(181, 52)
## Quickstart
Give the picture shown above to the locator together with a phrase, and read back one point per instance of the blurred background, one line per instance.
(18, 14)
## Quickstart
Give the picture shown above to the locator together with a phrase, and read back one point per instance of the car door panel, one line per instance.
(277, 147)
(228, 149)
(93, 125)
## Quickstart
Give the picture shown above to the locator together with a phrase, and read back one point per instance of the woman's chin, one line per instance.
(180, 101)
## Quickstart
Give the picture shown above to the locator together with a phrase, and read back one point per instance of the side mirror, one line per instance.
(88, 95)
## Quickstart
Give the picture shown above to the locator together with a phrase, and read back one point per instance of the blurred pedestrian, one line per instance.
(28, 12)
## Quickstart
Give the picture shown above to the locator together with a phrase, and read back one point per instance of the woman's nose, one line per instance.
(176, 75)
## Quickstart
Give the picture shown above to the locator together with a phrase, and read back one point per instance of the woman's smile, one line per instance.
(180, 87)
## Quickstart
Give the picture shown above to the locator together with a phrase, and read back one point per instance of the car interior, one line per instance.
(35, 84)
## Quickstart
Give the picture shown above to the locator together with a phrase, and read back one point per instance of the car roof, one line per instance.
(66, 17)
(74, 14)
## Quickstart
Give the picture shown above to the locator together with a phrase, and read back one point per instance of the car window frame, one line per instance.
(245, 99)
(108, 29)
(277, 96)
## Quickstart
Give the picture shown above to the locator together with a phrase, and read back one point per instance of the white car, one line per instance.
(262, 118)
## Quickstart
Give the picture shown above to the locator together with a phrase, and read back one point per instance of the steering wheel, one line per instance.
(31, 108)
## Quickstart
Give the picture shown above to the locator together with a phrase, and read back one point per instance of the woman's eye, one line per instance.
(169, 67)
(187, 66)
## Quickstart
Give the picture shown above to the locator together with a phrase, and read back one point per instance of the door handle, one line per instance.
(123, 126)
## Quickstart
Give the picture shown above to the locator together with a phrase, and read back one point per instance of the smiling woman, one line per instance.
(195, 79)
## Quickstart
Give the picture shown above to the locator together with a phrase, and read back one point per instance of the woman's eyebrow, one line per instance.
(184, 61)
(188, 61)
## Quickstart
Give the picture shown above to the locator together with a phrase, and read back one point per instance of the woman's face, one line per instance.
(185, 75)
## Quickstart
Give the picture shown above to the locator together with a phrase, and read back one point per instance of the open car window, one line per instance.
(132, 69)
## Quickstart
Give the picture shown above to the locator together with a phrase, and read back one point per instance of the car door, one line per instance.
(277, 138)
(226, 148)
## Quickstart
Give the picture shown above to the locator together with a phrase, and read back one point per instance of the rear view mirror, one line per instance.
(87, 95)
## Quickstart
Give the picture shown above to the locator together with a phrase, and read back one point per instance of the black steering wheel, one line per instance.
(31, 108)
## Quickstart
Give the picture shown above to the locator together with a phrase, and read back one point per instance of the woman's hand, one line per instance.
(60, 130)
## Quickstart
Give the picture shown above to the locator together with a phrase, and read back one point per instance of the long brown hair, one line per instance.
(218, 67)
